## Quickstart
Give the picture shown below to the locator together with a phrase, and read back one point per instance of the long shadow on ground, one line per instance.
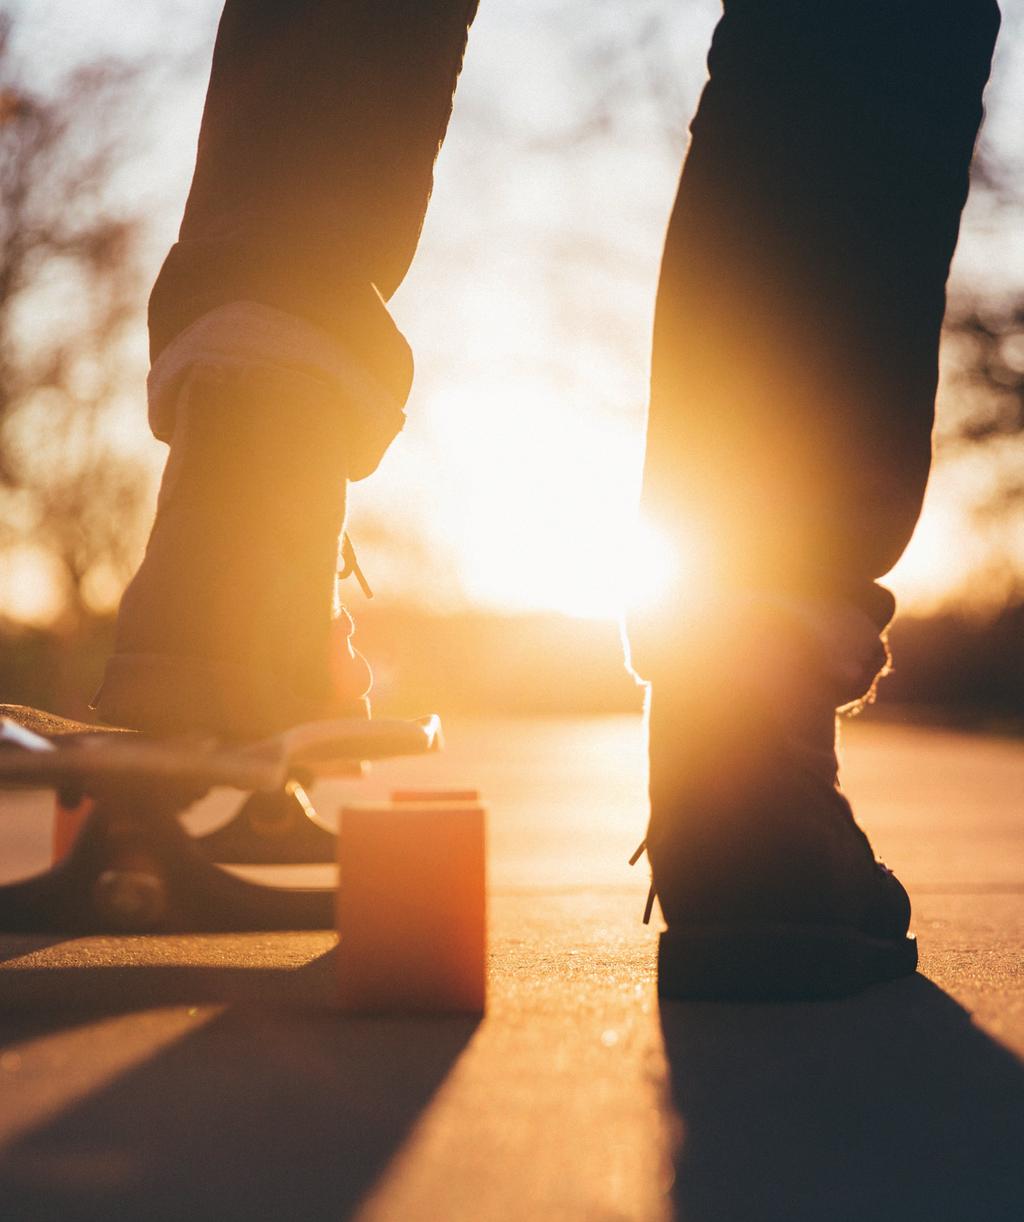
(279, 1109)
(890, 1107)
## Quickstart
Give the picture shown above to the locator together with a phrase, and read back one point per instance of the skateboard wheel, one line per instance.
(132, 900)
(271, 815)
(412, 907)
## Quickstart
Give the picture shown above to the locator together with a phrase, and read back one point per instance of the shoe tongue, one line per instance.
(326, 676)
(349, 671)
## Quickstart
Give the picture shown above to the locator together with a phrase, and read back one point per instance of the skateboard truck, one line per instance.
(123, 861)
(279, 828)
(134, 869)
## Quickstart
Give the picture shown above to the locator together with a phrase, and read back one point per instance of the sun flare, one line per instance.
(538, 506)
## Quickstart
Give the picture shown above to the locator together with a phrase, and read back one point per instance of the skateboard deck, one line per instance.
(42, 749)
(132, 867)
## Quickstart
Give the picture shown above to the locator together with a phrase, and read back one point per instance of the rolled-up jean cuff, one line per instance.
(244, 334)
(781, 646)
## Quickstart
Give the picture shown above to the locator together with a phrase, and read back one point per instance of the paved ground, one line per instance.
(207, 1077)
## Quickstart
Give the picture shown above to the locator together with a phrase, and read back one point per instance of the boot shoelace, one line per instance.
(641, 848)
(350, 566)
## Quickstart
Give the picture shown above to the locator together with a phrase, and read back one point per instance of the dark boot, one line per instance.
(230, 625)
(769, 888)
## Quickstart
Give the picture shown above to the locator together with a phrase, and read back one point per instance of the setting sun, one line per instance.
(535, 507)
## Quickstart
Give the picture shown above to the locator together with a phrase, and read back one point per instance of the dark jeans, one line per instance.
(803, 282)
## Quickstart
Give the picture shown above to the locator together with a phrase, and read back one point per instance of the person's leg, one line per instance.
(278, 373)
(793, 379)
(315, 164)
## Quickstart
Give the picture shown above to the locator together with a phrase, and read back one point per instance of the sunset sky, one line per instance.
(529, 306)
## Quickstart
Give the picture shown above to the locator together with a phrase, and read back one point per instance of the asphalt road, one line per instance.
(208, 1077)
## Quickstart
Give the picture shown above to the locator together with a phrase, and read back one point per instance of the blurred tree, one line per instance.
(981, 427)
(983, 384)
(72, 485)
(988, 371)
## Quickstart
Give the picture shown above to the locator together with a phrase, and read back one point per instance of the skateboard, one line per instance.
(123, 861)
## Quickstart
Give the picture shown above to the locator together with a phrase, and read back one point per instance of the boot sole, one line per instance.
(777, 962)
